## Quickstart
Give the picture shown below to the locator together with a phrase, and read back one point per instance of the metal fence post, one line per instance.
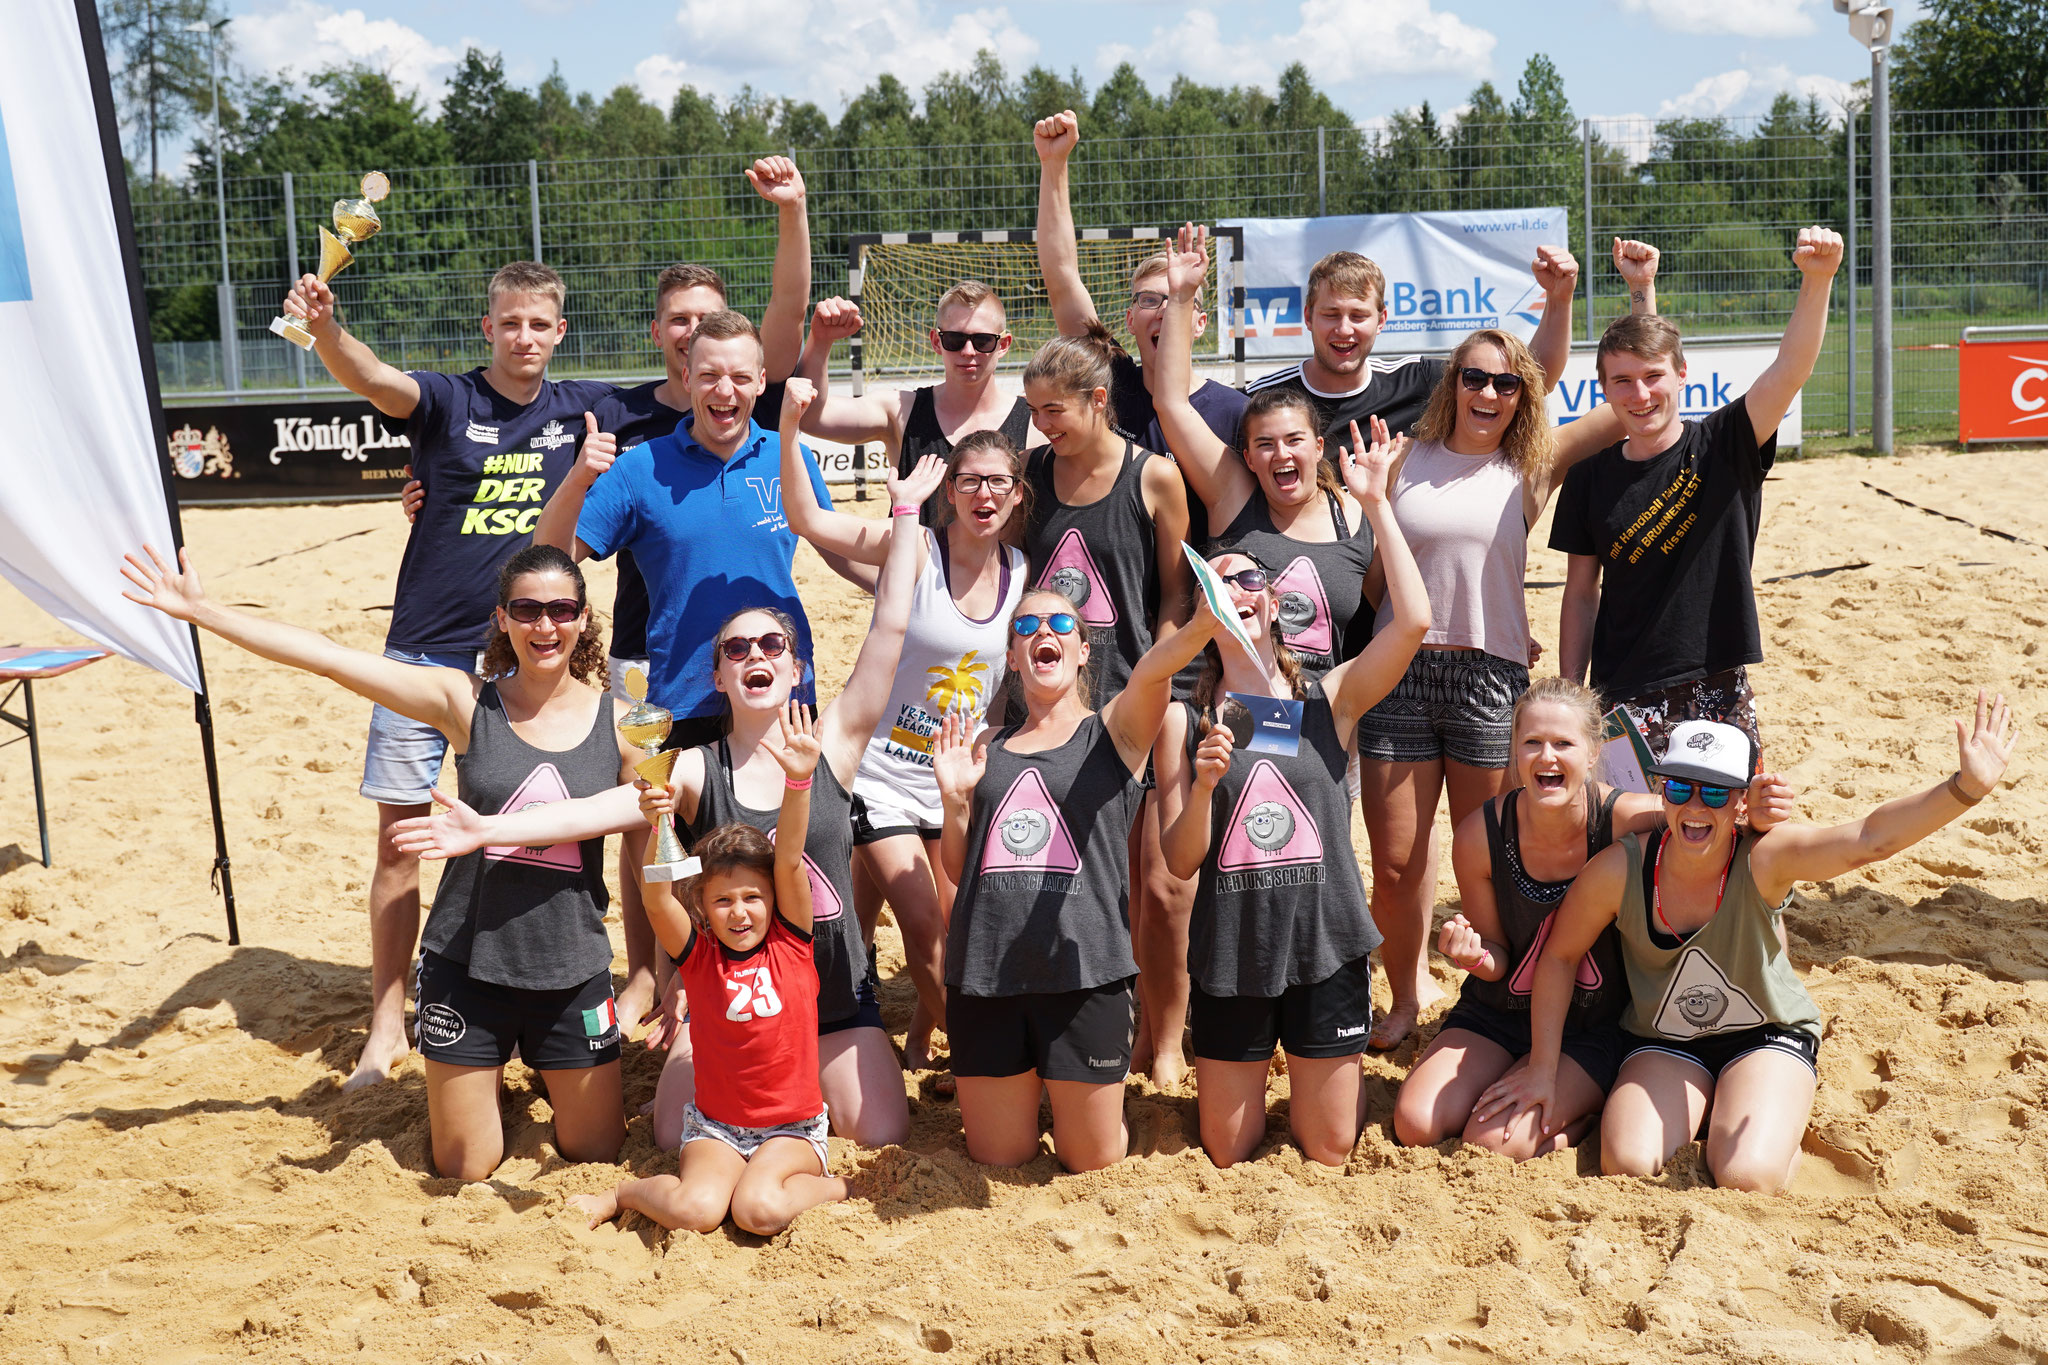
(1322, 177)
(291, 256)
(1586, 266)
(1881, 247)
(1849, 128)
(533, 199)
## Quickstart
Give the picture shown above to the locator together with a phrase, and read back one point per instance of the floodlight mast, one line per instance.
(1871, 25)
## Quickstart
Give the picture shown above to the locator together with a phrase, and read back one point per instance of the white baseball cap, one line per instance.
(1708, 752)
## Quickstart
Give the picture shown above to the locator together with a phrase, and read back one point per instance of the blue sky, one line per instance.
(1619, 57)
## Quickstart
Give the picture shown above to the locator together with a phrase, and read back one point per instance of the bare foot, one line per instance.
(602, 1208)
(1169, 1069)
(379, 1056)
(1391, 1028)
(917, 1048)
(634, 1004)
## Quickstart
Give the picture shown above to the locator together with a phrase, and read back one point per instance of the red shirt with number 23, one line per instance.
(754, 1027)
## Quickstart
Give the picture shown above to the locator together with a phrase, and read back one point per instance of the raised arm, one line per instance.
(798, 755)
(858, 539)
(1818, 256)
(557, 523)
(1210, 466)
(959, 758)
(1811, 853)
(1557, 274)
(1356, 685)
(851, 719)
(1059, 259)
(1636, 263)
(354, 366)
(1186, 793)
(440, 697)
(776, 179)
(843, 417)
(1133, 715)
(1575, 615)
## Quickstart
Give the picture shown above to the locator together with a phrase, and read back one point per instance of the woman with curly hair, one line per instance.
(515, 953)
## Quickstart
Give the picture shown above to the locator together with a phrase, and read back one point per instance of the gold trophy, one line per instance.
(355, 220)
(645, 726)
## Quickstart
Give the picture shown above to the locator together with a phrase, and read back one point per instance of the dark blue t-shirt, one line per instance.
(710, 537)
(487, 466)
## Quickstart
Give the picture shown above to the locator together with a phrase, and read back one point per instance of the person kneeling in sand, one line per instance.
(1719, 1026)
(754, 1136)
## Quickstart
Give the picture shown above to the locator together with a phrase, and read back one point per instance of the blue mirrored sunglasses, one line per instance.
(1679, 792)
(1061, 623)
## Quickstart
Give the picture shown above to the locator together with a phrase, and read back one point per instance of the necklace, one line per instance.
(1657, 893)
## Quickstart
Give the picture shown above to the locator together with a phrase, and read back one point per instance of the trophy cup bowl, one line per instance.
(645, 726)
(355, 220)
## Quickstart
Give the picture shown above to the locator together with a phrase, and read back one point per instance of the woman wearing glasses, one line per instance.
(514, 953)
(1280, 940)
(1719, 1027)
(968, 583)
(1039, 973)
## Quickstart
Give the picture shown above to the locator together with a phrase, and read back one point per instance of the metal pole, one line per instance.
(35, 766)
(230, 340)
(1849, 127)
(1586, 266)
(533, 198)
(1322, 176)
(291, 255)
(1881, 253)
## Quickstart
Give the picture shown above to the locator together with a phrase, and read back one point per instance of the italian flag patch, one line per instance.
(602, 1020)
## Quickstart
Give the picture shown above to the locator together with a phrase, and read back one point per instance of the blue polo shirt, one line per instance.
(710, 538)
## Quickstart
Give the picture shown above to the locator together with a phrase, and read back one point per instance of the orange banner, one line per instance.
(2002, 393)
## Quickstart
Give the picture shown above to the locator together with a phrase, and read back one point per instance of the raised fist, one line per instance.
(1055, 137)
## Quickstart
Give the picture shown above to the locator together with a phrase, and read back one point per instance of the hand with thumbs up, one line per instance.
(600, 448)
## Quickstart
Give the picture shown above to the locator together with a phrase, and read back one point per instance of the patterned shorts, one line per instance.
(700, 1127)
(1451, 703)
(1718, 696)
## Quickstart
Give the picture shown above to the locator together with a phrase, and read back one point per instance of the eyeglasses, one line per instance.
(1476, 379)
(525, 610)
(982, 341)
(1678, 793)
(738, 647)
(971, 484)
(1061, 623)
(1251, 580)
(1146, 300)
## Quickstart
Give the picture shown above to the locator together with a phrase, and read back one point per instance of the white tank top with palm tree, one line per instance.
(949, 660)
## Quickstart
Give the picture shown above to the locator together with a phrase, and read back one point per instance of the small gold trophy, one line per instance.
(355, 220)
(645, 726)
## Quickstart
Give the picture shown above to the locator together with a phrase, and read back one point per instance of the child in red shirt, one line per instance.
(754, 1140)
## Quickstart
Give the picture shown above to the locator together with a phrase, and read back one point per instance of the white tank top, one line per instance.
(1462, 517)
(948, 661)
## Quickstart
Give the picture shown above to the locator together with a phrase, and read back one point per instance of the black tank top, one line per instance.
(1103, 556)
(923, 436)
(1279, 901)
(836, 945)
(531, 918)
(1324, 617)
(1525, 907)
(1044, 903)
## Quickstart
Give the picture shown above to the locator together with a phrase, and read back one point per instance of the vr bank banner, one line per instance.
(1447, 273)
(82, 475)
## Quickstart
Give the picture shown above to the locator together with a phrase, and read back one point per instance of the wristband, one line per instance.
(904, 509)
(791, 784)
(1955, 789)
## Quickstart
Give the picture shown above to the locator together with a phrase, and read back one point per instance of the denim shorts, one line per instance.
(402, 762)
(697, 1127)
(1451, 703)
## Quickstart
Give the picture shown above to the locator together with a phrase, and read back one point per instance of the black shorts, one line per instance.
(867, 1010)
(1327, 1018)
(871, 826)
(1080, 1035)
(476, 1023)
(1597, 1050)
(1715, 1052)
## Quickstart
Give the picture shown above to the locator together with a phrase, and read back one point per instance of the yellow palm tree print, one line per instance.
(960, 684)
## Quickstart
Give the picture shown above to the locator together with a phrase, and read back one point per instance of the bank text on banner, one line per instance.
(1715, 376)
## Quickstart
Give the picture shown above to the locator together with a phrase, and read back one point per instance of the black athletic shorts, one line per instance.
(1716, 1052)
(871, 824)
(867, 1010)
(1597, 1050)
(476, 1023)
(1327, 1018)
(1080, 1035)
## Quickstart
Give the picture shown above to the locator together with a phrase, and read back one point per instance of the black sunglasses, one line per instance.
(738, 647)
(1678, 792)
(1476, 379)
(1061, 623)
(981, 341)
(525, 610)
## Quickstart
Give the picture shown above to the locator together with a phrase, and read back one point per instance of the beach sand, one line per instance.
(181, 1178)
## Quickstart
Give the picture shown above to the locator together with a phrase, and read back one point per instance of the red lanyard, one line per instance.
(1657, 892)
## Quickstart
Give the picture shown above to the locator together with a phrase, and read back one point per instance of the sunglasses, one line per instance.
(1061, 623)
(562, 611)
(738, 647)
(1476, 379)
(1678, 793)
(1250, 580)
(972, 484)
(981, 341)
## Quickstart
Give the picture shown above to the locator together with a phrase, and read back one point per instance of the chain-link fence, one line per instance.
(1722, 198)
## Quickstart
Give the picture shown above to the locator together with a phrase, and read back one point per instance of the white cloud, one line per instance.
(830, 50)
(660, 76)
(1739, 18)
(1750, 90)
(306, 36)
(1340, 41)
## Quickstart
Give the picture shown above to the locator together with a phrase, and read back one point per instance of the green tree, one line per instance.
(488, 121)
(164, 83)
(355, 120)
(1974, 54)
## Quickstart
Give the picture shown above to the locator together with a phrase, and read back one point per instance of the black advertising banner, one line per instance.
(308, 450)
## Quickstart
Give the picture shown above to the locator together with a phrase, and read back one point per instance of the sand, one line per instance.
(182, 1179)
